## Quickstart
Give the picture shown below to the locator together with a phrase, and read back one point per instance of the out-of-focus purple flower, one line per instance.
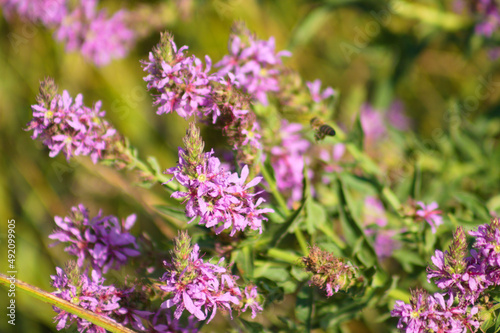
(315, 90)
(374, 212)
(287, 160)
(89, 293)
(255, 64)
(375, 219)
(489, 17)
(430, 214)
(68, 126)
(49, 12)
(99, 38)
(385, 244)
(372, 123)
(397, 117)
(197, 286)
(103, 240)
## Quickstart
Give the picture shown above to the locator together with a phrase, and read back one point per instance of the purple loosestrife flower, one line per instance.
(372, 123)
(68, 126)
(397, 118)
(251, 301)
(49, 12)
(374, 212)
(197, 286)
(315, 90)
(255, 63)
(164, 322)
(430, 214)
(220, 198)
(89, 293)
(489, 13)
(97, 36)
(375, 219)
(183, 86)
(182, 83)
(287, 160)
(487, 242)
(103, 241)
(329, 272)
(466, 277)
(427, 313)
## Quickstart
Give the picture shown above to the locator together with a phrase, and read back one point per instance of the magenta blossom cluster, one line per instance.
(469, 276)
(202, 287)
(80, 25)
(287, 160)
(375, 219)
(435, 313)
(185, 86)
(489, 12)
(98, 36)
(182, 83)
(102, 240)
(465, 279)
(48, 12)
(220, 199)
(90, 293)
(254, 63)
(66, 125)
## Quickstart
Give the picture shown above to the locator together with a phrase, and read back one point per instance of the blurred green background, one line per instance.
(426, 56)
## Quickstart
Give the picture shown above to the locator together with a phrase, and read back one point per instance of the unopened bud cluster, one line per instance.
(329, 272)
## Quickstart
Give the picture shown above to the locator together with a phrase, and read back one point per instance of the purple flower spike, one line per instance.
(103, 240)
(98, 37)
(200, 287)
(255, 64)
(67, 126)
(221, 199)
(89, 293)
(430, 214)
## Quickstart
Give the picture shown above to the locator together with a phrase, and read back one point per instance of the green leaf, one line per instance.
(352, 230)
(171, 211)
(292, 221)
(244, 259)
(316, 216)
(473, 203)
(46, 297)
(271, 272)
(309, 27)
(304, 306)
(251, 326)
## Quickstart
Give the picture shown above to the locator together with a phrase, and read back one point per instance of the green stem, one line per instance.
(286, 256)
(46, 297)
(302, 241)
(274, 190)
(158, 177)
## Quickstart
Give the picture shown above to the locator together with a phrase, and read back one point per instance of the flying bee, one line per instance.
(321, 129)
